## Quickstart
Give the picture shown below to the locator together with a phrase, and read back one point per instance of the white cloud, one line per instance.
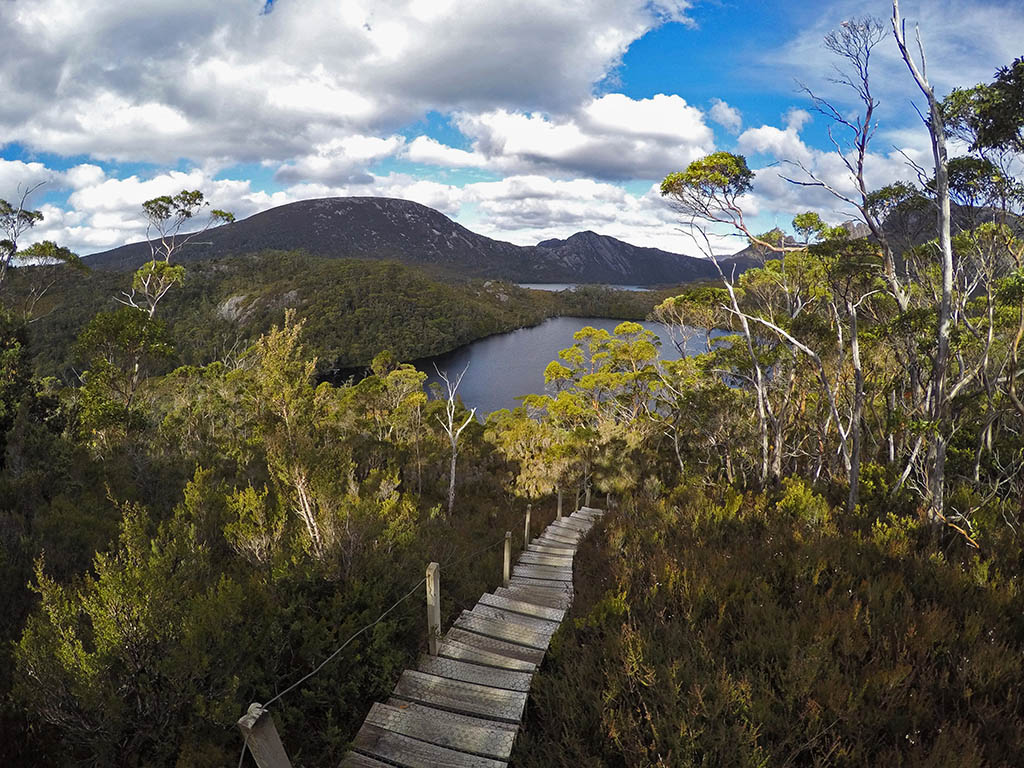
(965, 41)
(341, 160)
(610, 137)
(424, 149)
(154, 81)
(726, 116)
(775, 200)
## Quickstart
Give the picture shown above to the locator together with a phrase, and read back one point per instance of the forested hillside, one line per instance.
(353, 309)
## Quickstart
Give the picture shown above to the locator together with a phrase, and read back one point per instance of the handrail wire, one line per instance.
(375, 622)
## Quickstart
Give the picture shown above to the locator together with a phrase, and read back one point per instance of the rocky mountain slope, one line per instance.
(407, 232)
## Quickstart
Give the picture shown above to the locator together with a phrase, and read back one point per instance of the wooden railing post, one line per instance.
(433, 607)
(257, 725)
(526, 529)
(507, 572)
(559, 502)
(586, 500)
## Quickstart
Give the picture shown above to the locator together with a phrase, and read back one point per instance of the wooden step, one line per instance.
(474, 735)
(453, 649)
(490, 612)
(524, 581)
(512, 650)
(576, 523)
(524, 607)
(503, 630)
(545, 549)
(561, 592)
(534, 558)
(457, 696)
(474, 673)
(556, 540)
(565, 529)
(558, 600)
(543, 572)
(408, 752)
(444, 714)
(590, 511)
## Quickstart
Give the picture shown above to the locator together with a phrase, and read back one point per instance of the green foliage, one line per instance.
(990, 116)
(716, 633)
(719, 174)
(809, 225)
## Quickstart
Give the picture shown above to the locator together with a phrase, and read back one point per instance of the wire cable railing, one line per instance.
(258, 711)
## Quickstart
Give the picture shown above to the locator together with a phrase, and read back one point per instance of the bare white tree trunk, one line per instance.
(450, 428)
(939, 406)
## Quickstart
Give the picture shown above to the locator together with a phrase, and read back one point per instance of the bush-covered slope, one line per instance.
(353, 309)
(753, 631)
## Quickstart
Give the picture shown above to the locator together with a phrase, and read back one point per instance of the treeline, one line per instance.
(353, 309)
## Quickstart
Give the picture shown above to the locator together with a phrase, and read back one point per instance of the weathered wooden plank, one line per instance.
(547, 598)
(494, 645)
(547, 549)
(533, 558)
(590, 511)
(557, 532)
(558, 589)
(569, 525)
(453, 649)
(525, 581)
(503, 630)
(413, 753)
(532, 622)
(444, 714)
(523, 607)
(581, 524)
(355, 760)
(555, 540)
(464, 698)
(470, 734)
(474, 673)
(543, 572)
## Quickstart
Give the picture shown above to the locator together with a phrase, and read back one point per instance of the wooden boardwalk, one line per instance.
(462, 707)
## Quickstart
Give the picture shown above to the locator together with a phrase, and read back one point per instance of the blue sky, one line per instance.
(523, 121)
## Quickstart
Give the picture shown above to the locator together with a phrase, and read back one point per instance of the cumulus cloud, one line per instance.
(726, 116)
(610, 137)
(786, 156)
(155, 81)
(341, 160)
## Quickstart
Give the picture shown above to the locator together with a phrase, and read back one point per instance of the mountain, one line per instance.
(603, 259)
(410, 233)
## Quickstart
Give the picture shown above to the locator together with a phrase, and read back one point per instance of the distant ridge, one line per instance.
(411, 233)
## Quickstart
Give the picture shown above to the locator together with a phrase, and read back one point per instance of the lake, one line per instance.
(574, 286)
(509, 365)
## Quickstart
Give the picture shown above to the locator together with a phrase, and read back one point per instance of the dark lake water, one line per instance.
(574, 286)
(510, 365)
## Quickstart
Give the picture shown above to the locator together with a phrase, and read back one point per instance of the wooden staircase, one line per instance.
(462, 708)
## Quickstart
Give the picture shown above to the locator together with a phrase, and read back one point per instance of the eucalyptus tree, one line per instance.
(450, 424)
(939, 396)
(15, 220)
(166, 216)
(708, 195)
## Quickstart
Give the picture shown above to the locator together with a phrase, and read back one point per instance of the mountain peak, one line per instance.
(393, 229)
